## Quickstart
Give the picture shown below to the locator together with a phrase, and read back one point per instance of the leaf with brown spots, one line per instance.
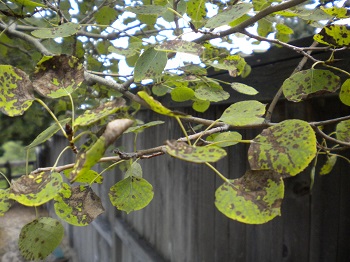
(39, 238)
(180, 46)
(255, 198)
(57, 76)
(308, 83)
(78, 205)
(5, 202)
(344, 94)
(36, 189)
(194, 154)
(343, 131)
(287, 148)
(334, 35)
(16, 91)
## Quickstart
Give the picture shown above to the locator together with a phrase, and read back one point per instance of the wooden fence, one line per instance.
(182, 224)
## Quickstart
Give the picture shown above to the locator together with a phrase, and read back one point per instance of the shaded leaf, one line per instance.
(328, 166)
(343, 131)
(36, 189)
(88, 177)
(180, 46)
(244, 113)
(104, 110)
(287, 148)
(264, 27)
(255, 198)
(344, 94)
(211, 93)
(141, 128)
(89, 157)
(200, 105)
(57, 76)
(284, 29)
(229, 14)
(334, 35)
(160, 90)
(28, 3)
(39, 238)
(150, 65)
(130, 194)
(127, 52)
(244, 89)
(5, 202)
(106, 15)
(194, 154)
(64, 30)
(16, 92)
(47, 133)
(78, 205)
(225, 139)
(309, 82)
(181, 94)
(147, 9)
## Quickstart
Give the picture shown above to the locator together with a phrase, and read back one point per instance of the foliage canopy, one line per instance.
(68, 58)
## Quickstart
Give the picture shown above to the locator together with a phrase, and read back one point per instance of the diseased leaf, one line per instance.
(78, 205)
(39, 238)
(287, 148)
(180, 46)
(127, 52)
(244, 89)
(57, 76)
(244, 113)
(338, 12)
(194, 154)
(197, 12)
(147, 9)
(328, 166)
(5, 202)
(150, 65)
(211, 93)
(334, 35)
(36, 189)
(47, 133)
(141, 128)
(344, 94)
(307, 83)
(229, 14)
(343, 131)
(64, 30)
(225, 139)
(255, 198)
(131, 194)
(88, 177)
(16, 92)
(91, 116)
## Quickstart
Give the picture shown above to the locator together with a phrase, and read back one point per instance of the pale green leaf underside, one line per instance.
(64, 30)
(343, 131)
(180, 46)
(328, 166)
(150, 65)
(225, 139)
(244, 89)
(141, 128)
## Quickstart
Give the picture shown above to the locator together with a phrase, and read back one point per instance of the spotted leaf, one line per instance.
(194, 154)
(344, 94)
(141, 128)
(5, 202)
(16, 92)
(255, 198)
(150, 65)
(211, 93)
(64, 30)
(334, 35)
(309, 82)
(77, 205)
(147, 9)
(244, 89)
(180, 46)
(36, 189)
(287, 148)
(39, 238)
(343, 131)
(57, 76)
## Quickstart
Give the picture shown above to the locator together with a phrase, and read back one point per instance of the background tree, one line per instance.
(69, 58)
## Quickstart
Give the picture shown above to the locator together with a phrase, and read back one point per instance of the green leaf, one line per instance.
(180, 46)
(211, 93)
(229, 14)
(255, 198)
(150, 65)
(334, 35)
(157, 106)
(39, 238)
(338, 12)
(106, 15)
(235, 64)
(328, 166)
(147, 9)
(264, 27)
(196, 10)
(27, 3)
(47, 133)
(16, 92)
(64, 30)
(194, 154)
(57, 76)
(88, 177)
(343, 131)
(36, 189)
(160, 90)
(287, 148)
(130, 194)
(128, 52)
(78, 205)
(244, 89)
(141, 128)
(5, 202)
(91, 116)
(134, 170)
(344, 94)
(225, 139)
(244, 113)
(309, 82)
(88, 158)
(200, 105)
(181, 94)
(284, 29)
